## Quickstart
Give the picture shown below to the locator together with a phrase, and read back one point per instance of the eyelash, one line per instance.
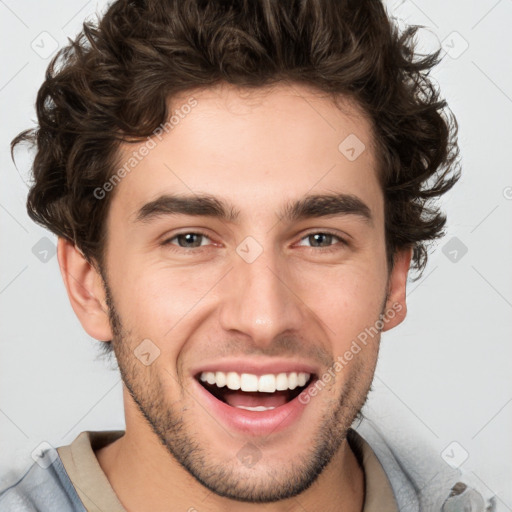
(330, 248)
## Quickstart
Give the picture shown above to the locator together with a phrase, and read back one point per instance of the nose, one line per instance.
(258, 299)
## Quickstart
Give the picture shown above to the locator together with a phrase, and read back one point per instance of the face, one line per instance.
(232, 299)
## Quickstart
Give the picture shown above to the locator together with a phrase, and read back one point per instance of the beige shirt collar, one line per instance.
(379, 495)
(97, 495)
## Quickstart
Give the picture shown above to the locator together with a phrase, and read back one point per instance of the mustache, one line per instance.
(284, 346)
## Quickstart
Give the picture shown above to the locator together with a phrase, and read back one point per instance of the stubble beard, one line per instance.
(231, 479)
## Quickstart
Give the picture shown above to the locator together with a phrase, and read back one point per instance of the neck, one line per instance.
(140, 469)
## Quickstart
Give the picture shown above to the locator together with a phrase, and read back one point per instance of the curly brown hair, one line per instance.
(113, 82)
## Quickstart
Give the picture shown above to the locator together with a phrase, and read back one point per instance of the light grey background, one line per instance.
(443, 376)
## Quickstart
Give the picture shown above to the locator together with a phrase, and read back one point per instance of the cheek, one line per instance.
(156, 301)
(347, 299)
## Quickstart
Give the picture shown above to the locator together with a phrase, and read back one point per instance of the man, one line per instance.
(239, 191)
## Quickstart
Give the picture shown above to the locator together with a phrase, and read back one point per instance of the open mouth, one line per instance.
(255, 392)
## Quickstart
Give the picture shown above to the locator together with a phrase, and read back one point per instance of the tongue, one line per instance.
(255, 399)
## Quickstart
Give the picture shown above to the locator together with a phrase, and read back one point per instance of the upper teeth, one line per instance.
(249, 382)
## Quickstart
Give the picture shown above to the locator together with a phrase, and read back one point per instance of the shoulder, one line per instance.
(42, 488)
(422, 480)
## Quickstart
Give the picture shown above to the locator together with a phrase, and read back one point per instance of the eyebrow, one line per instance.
(311, 206)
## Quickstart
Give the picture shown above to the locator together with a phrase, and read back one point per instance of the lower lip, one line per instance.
(256, 423)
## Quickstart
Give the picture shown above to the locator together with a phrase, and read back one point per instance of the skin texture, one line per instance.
(296, 301)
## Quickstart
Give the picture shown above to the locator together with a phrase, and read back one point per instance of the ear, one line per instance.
(396, 301)
(85, 290)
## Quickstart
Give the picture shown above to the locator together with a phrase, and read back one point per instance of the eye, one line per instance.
(322, 239)
(189, 240)
(192, 240)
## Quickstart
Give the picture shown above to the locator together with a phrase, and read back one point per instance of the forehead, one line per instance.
(255, 147)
